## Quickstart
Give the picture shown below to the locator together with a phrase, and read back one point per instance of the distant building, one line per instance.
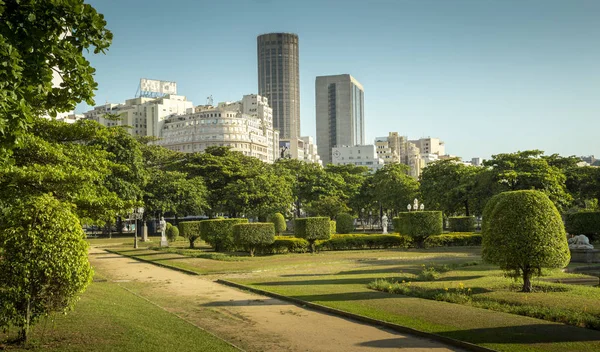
(359, 155)
(70, 118)
(339, 113)
(145, 115)
(310, 151)
(430, 146)
(590, 159)
(302, 148)
(245, 126)
(397, 149)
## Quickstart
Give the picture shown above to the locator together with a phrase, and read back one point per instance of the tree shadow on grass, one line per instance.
(348, 296)
(246, 303)
(526, 334)
(327, 281)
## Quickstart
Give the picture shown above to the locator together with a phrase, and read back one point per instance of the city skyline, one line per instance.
(487, 78)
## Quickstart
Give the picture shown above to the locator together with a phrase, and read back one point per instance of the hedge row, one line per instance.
(285, 244)
(313, 228)
(341, 242)
(461, 223)
(454, 239)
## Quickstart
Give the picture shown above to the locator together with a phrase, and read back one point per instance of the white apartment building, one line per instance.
(70, 118)
(397, 149)
(430, 146)
(310, 150)
(359, 155)
(146, 116)
(245, 126)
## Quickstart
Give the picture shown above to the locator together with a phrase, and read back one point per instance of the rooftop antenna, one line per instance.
(209, 100)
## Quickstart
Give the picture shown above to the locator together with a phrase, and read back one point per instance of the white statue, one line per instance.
(162, 227)
(579, 242)
(384, 223)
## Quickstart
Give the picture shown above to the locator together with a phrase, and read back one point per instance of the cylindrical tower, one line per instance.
(279, 80)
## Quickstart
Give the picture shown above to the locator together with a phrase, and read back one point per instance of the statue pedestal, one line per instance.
(585, 255)
(144, 232)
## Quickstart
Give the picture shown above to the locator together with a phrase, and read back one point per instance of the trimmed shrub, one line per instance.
(252, 235)
(361, 241)
(584, 223)
(344, 223)
(462, 223)
(219, 233)
(312, 229)
(524, 233)
(332, 227)
(453, 239)
(279, 222)
(190, 230)
(285, 244)
(171, 232)
(419, 224)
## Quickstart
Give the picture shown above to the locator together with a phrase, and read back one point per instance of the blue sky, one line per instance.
(485, 76)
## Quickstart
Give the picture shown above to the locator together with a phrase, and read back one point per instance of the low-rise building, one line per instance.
(359, 155)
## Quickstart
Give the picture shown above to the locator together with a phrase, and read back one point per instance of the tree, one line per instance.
(393, 187)
(43, 264)
(353, 178)
(449, 186)
(329, 206)
(40, 39)
(253, 235)
(278, 221)
(523, 234)
(171, 193)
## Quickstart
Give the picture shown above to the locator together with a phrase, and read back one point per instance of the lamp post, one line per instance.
(362, 218)
(416, 206)
(370, 221)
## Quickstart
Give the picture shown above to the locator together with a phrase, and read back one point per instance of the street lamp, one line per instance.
(362, 218)
(370, 222)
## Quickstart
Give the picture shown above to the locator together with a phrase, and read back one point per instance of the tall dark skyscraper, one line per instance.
(279, 80)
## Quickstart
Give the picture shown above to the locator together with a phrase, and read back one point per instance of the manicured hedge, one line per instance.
(312, 229)
(462, 223)
(252, 235)
(344, 223)
(454, 239)
(584, 223)
(279, 221)
(171, 232)
(190, 230)
(219, 233)
(361, 241)
(285, 244)
(419, 224)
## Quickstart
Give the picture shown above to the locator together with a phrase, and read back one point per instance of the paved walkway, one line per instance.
(251, 321)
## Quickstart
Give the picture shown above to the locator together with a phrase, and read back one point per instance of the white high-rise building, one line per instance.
(310, 151)
(430, 146)
(146, 116)
(245, 126)
(359, 155)
(397, 149)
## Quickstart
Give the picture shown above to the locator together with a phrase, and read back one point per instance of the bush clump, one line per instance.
(285, 244)
(313, 229)
(462, 223)
(219, 233)
(253, 235)
(419, 224)
(360, 241)
(453, 239)
(584, 223)
(190, 230)
(523, 234)
(171, 232)
(344, 223)
(279, 222)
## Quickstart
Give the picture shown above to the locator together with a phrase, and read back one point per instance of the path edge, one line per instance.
(166, 266)
(361, 318)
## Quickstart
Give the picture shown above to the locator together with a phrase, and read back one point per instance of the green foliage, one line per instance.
(450, 186)
(279, 222)
(462, 223)
(43, 265)
(419, 224)
(584, 223)
(253, 235)
(332, 227)
(285, 244)
(171, 232)
(172, 193)
(219, 233)
(524, 234)
(358, 241)
(329, 206)
(393, 187)
(312, 229)
(344, 223)
(190, 230)
(454, 239)
(39, 39)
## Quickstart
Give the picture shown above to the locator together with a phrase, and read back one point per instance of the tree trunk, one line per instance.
(526, 280)
(252, 251)
(191, 243)
(24, 333)
(312, 246)
(467, 208)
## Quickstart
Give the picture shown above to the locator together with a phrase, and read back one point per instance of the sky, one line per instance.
(485, 76)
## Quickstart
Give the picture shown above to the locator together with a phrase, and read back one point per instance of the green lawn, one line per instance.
(110, 318)
(340, 279)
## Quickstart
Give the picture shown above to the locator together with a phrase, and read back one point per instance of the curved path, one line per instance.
(251, 321)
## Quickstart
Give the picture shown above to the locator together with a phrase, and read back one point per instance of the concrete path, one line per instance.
(253, 322)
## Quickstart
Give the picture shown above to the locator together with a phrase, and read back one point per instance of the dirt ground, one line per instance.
(250, 321)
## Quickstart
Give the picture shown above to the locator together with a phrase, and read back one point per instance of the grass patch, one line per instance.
(198, 253)
(109, 318)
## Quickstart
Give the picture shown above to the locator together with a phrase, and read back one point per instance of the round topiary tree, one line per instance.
(190, 230)
(344, 223)
(524, 233)
(171, 232)
(43, 261)
(312, 229)
(279, 222)
(252, 235)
